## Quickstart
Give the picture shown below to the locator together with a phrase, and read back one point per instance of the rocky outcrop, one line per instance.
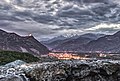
(9, 73)
(103, 70)
(76, 71)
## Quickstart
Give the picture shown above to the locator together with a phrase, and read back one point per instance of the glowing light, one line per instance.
(102, 55)
(30, 34)
(66, 56)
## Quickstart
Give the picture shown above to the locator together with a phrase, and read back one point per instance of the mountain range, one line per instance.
(62, 43)
(106, 44)
(89, 43)
(52, 43)
(14, 42)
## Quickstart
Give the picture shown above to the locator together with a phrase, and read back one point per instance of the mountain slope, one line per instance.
(14, 42)
(75, 43)
(54, 42)
(106, 44)
(72, 45)
(88, 43)
(92, 35)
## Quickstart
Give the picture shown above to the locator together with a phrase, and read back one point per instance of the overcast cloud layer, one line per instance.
(49, 18)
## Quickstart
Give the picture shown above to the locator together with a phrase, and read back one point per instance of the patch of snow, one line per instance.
(23, 49)
(34, 50)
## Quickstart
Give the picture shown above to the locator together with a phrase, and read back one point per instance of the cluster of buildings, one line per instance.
(66, 56)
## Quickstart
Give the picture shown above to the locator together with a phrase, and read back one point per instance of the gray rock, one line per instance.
(14, 78)
(100, 70)
(75, 71)
(15, 63)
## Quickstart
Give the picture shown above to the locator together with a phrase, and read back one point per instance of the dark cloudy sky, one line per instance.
(49, 18)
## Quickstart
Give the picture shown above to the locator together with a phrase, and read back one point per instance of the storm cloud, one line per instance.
(50, 18)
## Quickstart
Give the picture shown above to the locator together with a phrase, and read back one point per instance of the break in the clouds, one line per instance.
(49, 18)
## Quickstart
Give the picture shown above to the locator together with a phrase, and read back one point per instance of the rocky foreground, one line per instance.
(100, 70)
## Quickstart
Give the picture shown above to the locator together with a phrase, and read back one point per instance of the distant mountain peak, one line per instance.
(72, 42)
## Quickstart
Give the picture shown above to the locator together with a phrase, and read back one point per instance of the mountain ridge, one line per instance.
(15, 42)
(76, 40)
(106, 44)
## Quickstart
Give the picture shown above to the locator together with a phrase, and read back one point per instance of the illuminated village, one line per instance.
(68, 56)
